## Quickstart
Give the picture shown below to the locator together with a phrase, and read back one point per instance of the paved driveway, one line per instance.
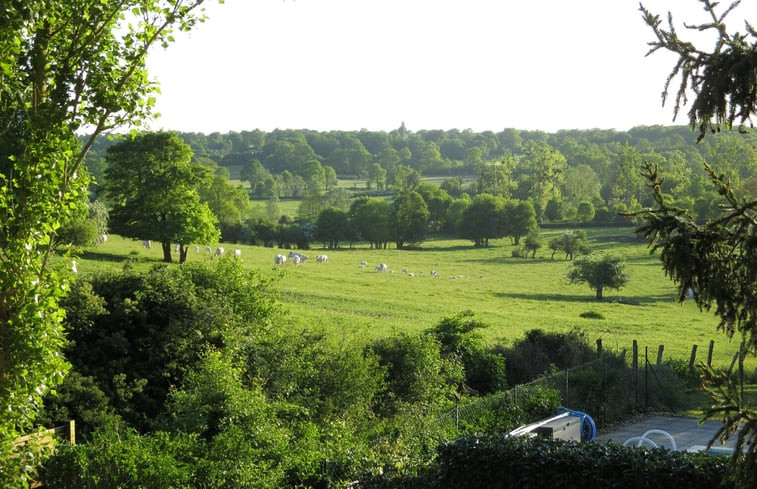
(688, 433)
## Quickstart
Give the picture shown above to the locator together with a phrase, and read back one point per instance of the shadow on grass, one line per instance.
(587, 298)
(99, 256)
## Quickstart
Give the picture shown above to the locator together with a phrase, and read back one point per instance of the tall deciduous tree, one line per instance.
(482, 219)
(153, 188)
(64, 66)
(409, 218)
(371, 218)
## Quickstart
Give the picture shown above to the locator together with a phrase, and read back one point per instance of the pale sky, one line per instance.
(432, 64)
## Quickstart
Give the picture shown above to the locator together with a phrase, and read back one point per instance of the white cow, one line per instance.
(220, 251)
(237, 253)
(363, 264)
(208, 249)
(322, 259)
(102, 239)
(296, 259)
(280, 259)
(293, 254)
(382, 267)
(434, 273)
(146, 243)
(197, 249)
(177, 248)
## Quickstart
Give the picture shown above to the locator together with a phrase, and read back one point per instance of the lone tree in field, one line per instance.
(718, 259)
(154, 189)
(599, 271)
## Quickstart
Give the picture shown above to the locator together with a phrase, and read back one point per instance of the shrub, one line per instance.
(592, 315)
(539, 352)
(416, 373)
(513, 462)
(119, 457)
(461, 343)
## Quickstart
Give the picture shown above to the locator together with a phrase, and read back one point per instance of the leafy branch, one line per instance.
(717, 259)
(723, 80)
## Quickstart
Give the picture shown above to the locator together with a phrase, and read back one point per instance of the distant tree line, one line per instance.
(489, 185)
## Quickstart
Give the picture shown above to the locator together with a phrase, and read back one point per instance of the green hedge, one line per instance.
(504, 462)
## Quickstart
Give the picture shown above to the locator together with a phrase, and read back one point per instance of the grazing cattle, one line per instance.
(177, 248)
(296, 259)
(220, 251)
(237, 253)
(434, 273)
(280, 259)
(363, 264)
(197, 249)
(411, 274)
(293, 254)
(102, 239)
(382, 267)
(208, 249)
(146, 243)
(404, 270)
(322, 259)
(74, 268)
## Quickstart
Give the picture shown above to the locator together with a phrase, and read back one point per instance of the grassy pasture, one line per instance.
(512, 295)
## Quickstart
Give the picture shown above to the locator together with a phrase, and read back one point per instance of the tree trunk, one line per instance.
(166, 252)
(183, 253)
(599, 293)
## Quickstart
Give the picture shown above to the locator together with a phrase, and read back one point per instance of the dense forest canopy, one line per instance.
(568, 167)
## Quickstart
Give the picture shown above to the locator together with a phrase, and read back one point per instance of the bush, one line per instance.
(461, 343)
(540, 352)
(592, 315)
(416, 373)
(136, 335)
(119, 457)
(514, 462)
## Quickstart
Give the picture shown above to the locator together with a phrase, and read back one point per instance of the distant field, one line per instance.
(512, 295)
(289, 207)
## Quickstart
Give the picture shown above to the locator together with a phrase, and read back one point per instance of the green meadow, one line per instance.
(511, 295)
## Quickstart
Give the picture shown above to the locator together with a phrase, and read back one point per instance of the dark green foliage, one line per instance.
(517, 462)
(482, 219)
(571, 243)
(332, 382)
(592, 315)
(533, 243)
(119, 457)
(599, 272)
(79, 399)
(416, 373)
(541, 352)
(409, 218)
(502, 413)
(585, 212)
(137, 335)
(461, 343)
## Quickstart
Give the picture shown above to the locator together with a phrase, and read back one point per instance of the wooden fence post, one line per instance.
(659, 354)
(693, 357)
(599, 346)
(709, 353)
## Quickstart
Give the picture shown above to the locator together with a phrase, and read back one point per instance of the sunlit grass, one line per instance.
(512, 295)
